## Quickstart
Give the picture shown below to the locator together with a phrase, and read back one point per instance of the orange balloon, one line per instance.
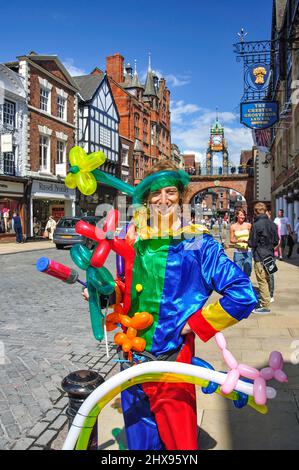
(131, 333)
(139, 344)
(127, 346)
(142, 320)
(125, 320)
(119, 338)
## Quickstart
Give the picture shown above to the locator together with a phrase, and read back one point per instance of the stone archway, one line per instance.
(242, 184)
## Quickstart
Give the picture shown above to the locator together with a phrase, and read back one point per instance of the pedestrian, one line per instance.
(17, 227)
(6, 215)
(50, 227)
(239, 235)
(176, 275)
(296, 231)
(271, 276)
(263, 239)
(284, 229)
(36, 227)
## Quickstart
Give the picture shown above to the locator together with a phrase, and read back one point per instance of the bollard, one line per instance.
(79, 385)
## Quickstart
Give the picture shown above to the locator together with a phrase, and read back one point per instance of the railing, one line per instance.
(220, 171)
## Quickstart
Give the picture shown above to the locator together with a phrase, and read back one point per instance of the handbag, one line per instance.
(269, 265)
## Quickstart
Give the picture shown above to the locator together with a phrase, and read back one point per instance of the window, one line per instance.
(153, 135)
(43, 152)
(136, 125)
(105, 137)
(60, 152)
(221, 205)
(9, 113)
(44, 99)
(221, 195)
(61, 107)
(9, 167)
(125, 156)
(145, 130)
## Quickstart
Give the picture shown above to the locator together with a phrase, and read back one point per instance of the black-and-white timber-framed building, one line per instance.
(98, 130)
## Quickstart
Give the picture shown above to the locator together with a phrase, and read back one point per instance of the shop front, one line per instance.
(49, 198)
(11, 200)
(104, 196)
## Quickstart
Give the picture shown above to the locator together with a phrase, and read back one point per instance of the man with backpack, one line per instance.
(263, 240)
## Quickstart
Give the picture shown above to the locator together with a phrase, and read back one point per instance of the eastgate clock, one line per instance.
(217, 140)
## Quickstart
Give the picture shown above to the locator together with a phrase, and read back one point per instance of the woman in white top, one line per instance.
(50, 227)
(239, 235)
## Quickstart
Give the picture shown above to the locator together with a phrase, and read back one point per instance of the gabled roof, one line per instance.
(88, 85)
(34, 57)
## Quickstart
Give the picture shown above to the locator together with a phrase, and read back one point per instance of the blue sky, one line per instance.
(190, 42)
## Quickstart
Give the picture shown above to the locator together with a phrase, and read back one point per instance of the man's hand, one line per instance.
(186, 330)
(85, 294)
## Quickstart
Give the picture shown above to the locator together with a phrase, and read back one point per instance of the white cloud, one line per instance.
(72, 69)
(171, 79)
(191, 130)
(179, 109)
(174, 81)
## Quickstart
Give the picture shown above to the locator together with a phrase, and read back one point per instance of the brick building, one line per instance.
(51, 131)
(189, 163)
(144, 111)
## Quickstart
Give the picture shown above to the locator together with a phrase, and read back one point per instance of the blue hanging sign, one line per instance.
(259, 114)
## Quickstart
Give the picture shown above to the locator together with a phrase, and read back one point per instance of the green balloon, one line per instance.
(114, 182)
(81, 256)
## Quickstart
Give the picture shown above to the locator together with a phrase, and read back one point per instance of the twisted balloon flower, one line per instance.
(82, 165)
(99, 281)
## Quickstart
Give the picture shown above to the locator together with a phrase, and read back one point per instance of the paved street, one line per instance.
(46, 334)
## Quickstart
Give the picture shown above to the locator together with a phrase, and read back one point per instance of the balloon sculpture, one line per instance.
(251, 390)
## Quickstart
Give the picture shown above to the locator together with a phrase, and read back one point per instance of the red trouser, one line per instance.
(174, 407)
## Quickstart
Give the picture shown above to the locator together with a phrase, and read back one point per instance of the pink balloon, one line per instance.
(260, 391)
(248, 372)
(280, 376)
(230, 381)
(229, 359)
(220, 340)
(276, 360)
(267, 373)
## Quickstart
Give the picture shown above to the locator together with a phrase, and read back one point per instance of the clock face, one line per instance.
(217, 140)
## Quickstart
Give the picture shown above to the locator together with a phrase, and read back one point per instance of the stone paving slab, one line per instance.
(46, 334)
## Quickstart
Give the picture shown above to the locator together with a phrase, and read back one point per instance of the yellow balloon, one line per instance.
(77, 156)
(86, 183)
(70, 181)
(93, 161)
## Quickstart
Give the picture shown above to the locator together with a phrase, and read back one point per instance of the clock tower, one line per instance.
(217, 144)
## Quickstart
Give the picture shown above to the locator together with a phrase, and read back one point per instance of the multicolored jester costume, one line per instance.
(162, 283)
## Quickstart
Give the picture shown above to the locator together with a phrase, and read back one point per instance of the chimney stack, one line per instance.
(115, 67)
